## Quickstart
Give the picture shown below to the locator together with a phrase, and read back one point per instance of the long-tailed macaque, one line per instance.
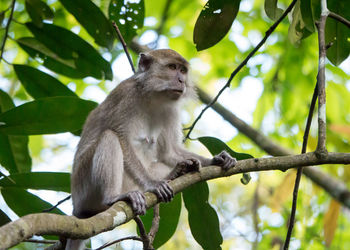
(132, 142)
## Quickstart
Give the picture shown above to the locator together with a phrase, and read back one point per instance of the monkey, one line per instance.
(132, 142)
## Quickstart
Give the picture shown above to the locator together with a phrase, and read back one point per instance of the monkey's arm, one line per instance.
(140, 175)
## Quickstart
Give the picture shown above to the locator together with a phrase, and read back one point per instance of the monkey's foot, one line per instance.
(163, 191)
(136, 199)
(224, 160)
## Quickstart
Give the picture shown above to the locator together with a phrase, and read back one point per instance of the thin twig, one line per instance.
(164, 18)
(121, 39)
(339, 18)
(41, 241)
(155, 223)
(117, 241)
(144, 236)
(300, 170)
(267, 34)
(255, 214)
(7, 29)
(321, 144)
(58, 203)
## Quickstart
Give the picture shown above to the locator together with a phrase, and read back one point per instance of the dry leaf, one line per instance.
(330, 222)
(283, 191)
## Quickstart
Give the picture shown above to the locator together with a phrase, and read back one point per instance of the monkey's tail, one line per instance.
(75, 245)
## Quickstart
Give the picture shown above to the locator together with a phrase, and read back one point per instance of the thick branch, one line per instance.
(68, 226)
(337, 189)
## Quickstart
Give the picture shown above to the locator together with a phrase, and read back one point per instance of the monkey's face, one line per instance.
(164, 73)
(177, 80)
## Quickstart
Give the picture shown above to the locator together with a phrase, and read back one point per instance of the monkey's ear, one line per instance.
(145, 62)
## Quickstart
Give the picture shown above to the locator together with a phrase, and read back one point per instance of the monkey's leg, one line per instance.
(108, 171)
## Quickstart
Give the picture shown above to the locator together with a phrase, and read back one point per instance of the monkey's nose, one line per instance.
(180, 80)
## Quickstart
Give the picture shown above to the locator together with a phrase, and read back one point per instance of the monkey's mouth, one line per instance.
(175, 93)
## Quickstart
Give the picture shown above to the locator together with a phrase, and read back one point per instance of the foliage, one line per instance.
(55, 51)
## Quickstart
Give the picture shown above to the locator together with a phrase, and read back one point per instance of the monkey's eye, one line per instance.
(172, 66)
(183, 70)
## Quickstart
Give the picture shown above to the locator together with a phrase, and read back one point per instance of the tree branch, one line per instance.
(339, 18)
(337, 189)
(7, 29)
(234, 73)
(300, 170)
(71, 227)
(321, 79)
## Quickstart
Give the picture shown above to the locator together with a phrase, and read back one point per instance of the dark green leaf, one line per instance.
(215, 146)
(128, 16)
(214, 22)
(39, 180)
(297, 29)
(23, 202)
(307, 15)
(169, 218)
(70, 46)
(337, 33)
(47, 116)
(4, 218)
(271, 9)
(92, 19)
(38, 11)
(14, 153)
(51, 60)
(202, 218)
(39, 84)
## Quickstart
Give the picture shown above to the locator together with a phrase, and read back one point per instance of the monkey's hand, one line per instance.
(136, 199)
(224, 160)
(184, 167)
(162, 189)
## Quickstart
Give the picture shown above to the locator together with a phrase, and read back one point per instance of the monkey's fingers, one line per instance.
(229, 163)
(164, 192)
(138, 202)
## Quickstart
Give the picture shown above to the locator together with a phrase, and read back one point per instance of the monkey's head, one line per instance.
(164, 72)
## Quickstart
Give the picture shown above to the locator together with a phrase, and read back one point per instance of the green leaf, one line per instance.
(129, 16)
(216, 146)
(214, 22)
(307, 14)
(169, 218)
(51, 60)
(22, 202)
(271, 9)
(38, 180)
(39, 84)
(4, 218)
(337, 33)
(92, 19)
(297, 29)
(47, 116)
(202, 218)
(70, 46)
(38, 11)
(14, 153)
